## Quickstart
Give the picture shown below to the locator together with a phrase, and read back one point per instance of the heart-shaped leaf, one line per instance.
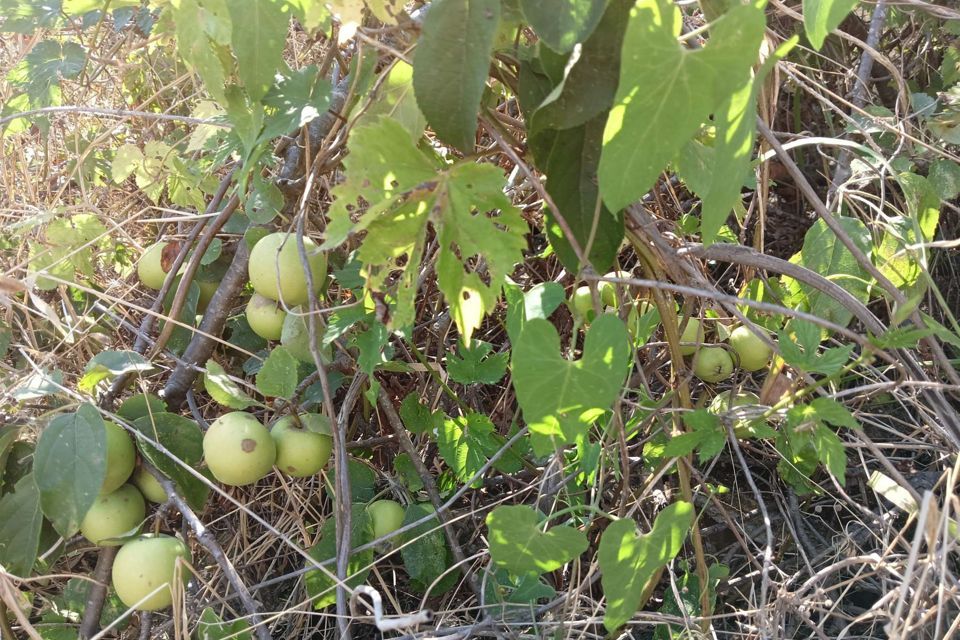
(560, 397)
(518, 545)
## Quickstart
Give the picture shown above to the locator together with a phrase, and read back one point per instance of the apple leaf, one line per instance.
(277, 377)
(628, 561)
(518, 545)
(666, 91)
(69, 466)
(450, 66)
(20, 522)
(111, 364)
(563, 24)
(476, 365)
(321, 587)
(561, 397)
(820, 17)
(224, 390)
(259, 33)
(184, 440)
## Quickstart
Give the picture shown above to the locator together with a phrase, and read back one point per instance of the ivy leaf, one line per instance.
(111, 364)
(258, 37)
(560, 397)
(224, 390)
(707, 435)
(321, 588)
(563, 24)
(829, 410)
(20, 522)
(820, 17)
(69, 466)
(466, 444)
(277, 377)
(476, 365)
(465, 204)
(539, 302)
(41, 70)
(518, 545)
(450, 66)
(628, 561)
(667, 91)
(802, 351)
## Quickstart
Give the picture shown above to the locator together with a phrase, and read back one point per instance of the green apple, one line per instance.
(150, 266)
(207, 289)
(712, 364)
(753, 352)
(151, 489)
(692, 334)
(121, 457)
(265, 317)
(581, 302)
(276, 271)
(145, 571)
(726, 400)
(238, 449)
(302, 452)
(113, 515)
(608, 290)
(387, 516)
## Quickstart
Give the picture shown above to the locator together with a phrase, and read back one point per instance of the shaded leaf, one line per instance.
(476, 365)
(518, 544)
(320, 586)
(820, 17)
(20, 521)
(563, 24)
(277, 377)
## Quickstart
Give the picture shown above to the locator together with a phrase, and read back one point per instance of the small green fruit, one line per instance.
(582, 303)
(608, 290)
(753, 352)
(275, 275)
(238, 449)
(145, 570)
(265, 317)
(725, 401)
(692, 334)
(712, 364)
(150, 267)
(151, 489)
(113, 515)
(302, 452)
(387, 516)
(121, 458)
(207, 289)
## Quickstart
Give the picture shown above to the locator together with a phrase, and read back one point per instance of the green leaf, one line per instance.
(258, 37)
(297, 98)
(466, 444)
(184, 440)
(20, 521)
(211, 627)
(371, 343)
(417, 417)
(395, 99)
(69, 466)
(944, 175)
(684, 601)
(140, 405)
(560, 25)
(707, 435)
(560, 397)
(424, 550)
(181, 335)
(224, 390)
(518, 545)
(37, 385)
(539, 302)
(111, 364)
(628, 561)
(820, 17)
(264, 200)
(41, 70)
(202, 33)
(829, 410)
(363, 481)
(450, 66)
(831, 451)
(667, 91)
(476, 365)
(404, 468)
(277, 377)
(321, 588)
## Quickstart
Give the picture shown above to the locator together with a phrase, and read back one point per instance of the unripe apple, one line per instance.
(753, 352)
(712, 364)
(207, 289)
(121, 457)
(692, 334)
(151, 489)
(238, 449)
(608, 290)
(582, 303)
(387, 516)
(725, 400)
(268, 268)
(265, 317)
(113, 515)
(145, 571)
(302, 452)
(150, 266)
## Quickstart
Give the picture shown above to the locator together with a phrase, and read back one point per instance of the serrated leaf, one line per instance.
(417, 417)
(277, 377)
(69, 466)
(184, 440)
(371, 343)
(298, 98)
(466, 444)
(450, 66)
(518, 545)
(476, 365)
(20, 522)
(820, 17)
(560, 397)
(224, 390)
(125, 161)
(111, 364)
(563, 24)
(258, 37)
(320, 587)
(706, 434)
(628, 561)
(202, 33)
(667, 91)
